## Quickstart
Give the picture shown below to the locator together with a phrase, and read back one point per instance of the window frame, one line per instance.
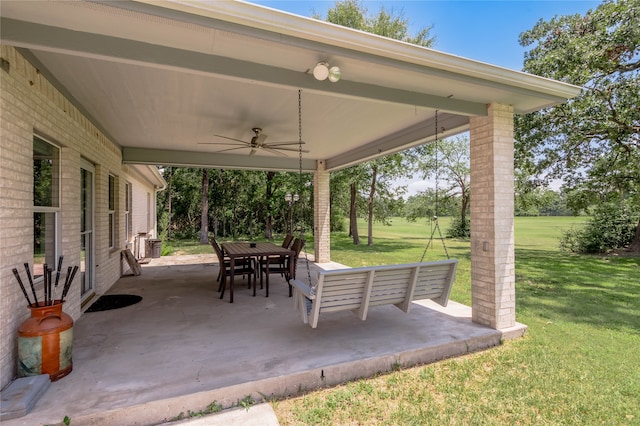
(111, 209)
(54, 209)
(128, 208)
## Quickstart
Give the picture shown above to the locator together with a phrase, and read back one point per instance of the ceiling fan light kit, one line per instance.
(323, 70)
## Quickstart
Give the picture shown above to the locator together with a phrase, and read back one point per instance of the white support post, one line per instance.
(322, 214)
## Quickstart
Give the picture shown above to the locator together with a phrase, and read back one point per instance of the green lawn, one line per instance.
(578, 364)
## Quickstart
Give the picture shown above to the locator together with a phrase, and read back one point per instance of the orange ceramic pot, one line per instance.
(45, 342)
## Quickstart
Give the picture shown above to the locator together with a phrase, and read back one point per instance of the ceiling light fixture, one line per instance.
(334, 74)
(323, 70)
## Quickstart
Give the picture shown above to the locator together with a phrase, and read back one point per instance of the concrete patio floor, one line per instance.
(181, 347)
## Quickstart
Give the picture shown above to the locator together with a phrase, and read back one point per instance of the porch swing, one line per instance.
(358, 289)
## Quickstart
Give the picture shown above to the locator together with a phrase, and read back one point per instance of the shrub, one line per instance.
(459, 228)
(337, 222)
(611, 227)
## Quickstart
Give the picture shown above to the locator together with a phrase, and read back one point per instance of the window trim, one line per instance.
(128, 208)
(111, 209)
(57, 238)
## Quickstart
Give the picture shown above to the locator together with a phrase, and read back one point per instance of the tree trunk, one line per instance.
(268, 226)
(204, 213)
(216, 225)
(464, 201)
(372, 192)
(168, 202)
(353, 217)
(635, 244)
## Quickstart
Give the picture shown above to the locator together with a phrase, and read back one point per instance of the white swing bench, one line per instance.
(357, 289)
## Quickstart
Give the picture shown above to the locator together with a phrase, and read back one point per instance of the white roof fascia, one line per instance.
(264, 18)
(149, 173)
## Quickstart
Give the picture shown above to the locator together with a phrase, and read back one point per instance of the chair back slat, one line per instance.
(218, 250)
(286, 243)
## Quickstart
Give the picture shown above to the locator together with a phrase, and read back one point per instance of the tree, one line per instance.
(448, 162)
(382, 173)
(593, 141)
(180, 204)
(386, 23)
(348, 181)
(391, 24)
(204, 211)
(268, 226)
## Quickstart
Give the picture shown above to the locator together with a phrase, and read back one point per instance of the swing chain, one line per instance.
(434, 219)
(300, 189)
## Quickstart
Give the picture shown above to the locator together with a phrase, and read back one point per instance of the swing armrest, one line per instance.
(304, 288)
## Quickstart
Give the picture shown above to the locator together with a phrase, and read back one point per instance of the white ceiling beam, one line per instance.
(213, 160)
(418, 134)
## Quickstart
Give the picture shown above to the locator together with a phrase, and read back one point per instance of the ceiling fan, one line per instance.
(257, 142)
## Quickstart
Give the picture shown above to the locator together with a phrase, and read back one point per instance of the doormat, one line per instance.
(113, 301)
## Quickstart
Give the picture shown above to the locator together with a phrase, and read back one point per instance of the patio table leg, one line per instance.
(232, 267)
(267, 278)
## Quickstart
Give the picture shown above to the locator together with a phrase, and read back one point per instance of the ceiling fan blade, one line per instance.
(286, 149)
(243, 144)
(253, 151)
(232, 139)
(283, 143)
(232, 149)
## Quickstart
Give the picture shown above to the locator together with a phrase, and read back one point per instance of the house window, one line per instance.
(127, 212)
(112, 211)
(46, 204)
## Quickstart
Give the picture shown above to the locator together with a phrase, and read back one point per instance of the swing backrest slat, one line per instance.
(358, 289)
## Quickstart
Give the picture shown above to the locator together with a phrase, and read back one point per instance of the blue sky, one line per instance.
(482, 30)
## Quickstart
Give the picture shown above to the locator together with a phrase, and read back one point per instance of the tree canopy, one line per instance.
(387, 23)
(591, 142)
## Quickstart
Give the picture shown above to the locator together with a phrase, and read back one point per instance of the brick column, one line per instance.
(492, 243)
(321, 214)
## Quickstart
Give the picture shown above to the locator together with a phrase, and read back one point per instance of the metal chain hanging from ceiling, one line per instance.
(435, 216)
(301, 188)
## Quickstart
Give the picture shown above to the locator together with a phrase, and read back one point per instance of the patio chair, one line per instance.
(241, 267)
(276, 260)
(217, 247)
(282, 266)
(288, 239)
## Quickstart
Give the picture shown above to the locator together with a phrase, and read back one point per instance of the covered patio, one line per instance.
(185, 84)
(181, 347)
(168, 83)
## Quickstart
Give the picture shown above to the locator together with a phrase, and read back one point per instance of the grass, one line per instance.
(578, 364)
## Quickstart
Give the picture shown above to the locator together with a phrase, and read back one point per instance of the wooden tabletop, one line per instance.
(260, 249)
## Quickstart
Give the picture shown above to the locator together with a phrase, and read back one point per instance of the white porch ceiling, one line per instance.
(162, 78)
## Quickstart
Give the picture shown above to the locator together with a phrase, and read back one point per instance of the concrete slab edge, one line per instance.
(518, 330)
(156, 412)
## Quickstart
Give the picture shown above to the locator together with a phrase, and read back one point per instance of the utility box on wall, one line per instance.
(153, 248)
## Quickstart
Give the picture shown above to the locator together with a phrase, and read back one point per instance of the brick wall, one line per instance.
(29, 104)
(492, 240)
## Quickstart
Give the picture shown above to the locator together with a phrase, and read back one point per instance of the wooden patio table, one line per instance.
(242, 250)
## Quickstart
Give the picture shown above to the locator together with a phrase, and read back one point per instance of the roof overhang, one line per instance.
(163, 78)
